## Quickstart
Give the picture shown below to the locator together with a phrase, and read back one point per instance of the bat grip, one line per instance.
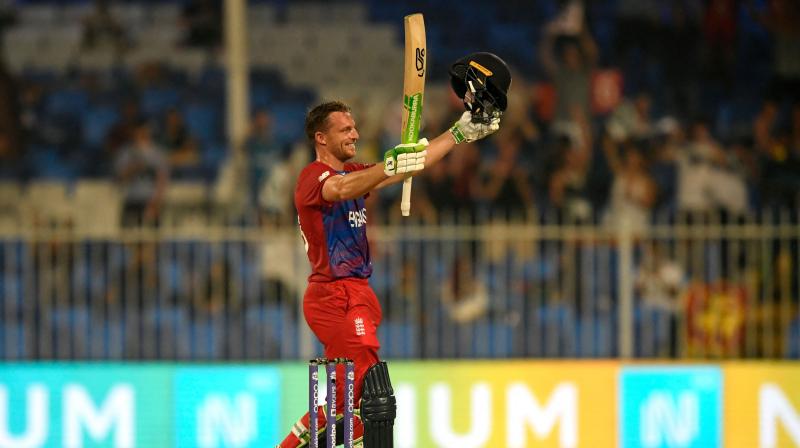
(405, 200)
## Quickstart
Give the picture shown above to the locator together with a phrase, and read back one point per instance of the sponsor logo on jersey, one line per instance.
(357, 218)
(360, 329)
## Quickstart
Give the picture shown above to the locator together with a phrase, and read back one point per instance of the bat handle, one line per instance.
(405, 200)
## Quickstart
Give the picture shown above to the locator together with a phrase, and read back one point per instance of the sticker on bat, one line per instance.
(420, 62)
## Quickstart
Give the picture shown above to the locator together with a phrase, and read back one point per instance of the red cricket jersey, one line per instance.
(334, 233)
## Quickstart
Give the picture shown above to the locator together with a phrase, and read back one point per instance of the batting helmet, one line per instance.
(482, 81)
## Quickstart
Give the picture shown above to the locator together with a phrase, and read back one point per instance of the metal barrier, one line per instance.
(697, 288)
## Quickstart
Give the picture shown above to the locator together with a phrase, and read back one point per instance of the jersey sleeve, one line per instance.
(309, 185)
(350, 167)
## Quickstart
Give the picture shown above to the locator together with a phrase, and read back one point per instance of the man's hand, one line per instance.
(405, 158)
(464, 130)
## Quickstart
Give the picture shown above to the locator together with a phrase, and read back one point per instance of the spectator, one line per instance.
(202, 22)
(764, 126)
(780, 186)
(706, 181)
(633, 191)
(143, 172)
(568, 185)
(263, 153)
(433, 192)
(660, 283)
(631, 119)
(101, 30)
(668, 141)
(465, 297)
(571, 67)
(505, 182)
(121, 132)
(180, 146)
(463, 174)
(31, 111)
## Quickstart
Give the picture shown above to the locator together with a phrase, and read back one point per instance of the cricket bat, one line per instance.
(414, 68)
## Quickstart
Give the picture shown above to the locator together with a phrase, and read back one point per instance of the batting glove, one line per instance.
(405, 158)
(465, 130)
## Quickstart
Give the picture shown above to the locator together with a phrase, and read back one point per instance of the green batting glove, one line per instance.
(465, 130)
(405, 158)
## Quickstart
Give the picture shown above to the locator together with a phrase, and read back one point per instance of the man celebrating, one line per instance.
(339, 305)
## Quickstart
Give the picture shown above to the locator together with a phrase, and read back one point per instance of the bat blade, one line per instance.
(415, 67)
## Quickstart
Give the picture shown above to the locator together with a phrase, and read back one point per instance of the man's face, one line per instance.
(341, 136)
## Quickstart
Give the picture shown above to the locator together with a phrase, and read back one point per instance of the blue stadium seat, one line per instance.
(207, 336)
(556, 325)
(289, 121)
(156, 100)
(171, 324)
(203, 121)
(261, 96)
(793, 342)
(108, 337)
(172, 280)
(69, 101)
(214, 155)
(48, 163)
(96, 123)
(651, 331)
(16, 342)
(269, 327)
(70, 329)
(399, 339)
(492, 340)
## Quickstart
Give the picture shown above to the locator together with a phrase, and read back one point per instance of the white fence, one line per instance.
(695, 288)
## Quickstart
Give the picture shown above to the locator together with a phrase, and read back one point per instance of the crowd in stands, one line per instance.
(706, 116)
(622, 108)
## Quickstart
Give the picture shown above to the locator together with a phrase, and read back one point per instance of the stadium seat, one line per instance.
(172, 325)
(16, 341)
(68, 101)
(793, 340)
(203, 121)
(207, 337)
(492, 339)
(96, 123)
(69, 327)
(289, 119)
(399, 339)
(266, 326)
(108, 337)
(156, 100)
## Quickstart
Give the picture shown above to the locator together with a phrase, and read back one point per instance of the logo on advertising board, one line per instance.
(49, 405)
(670, 407)
(504, 404)
(226, 406)
(763, 405)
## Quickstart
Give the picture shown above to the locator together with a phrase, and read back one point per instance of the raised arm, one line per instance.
(464, 130)
(353, 185)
